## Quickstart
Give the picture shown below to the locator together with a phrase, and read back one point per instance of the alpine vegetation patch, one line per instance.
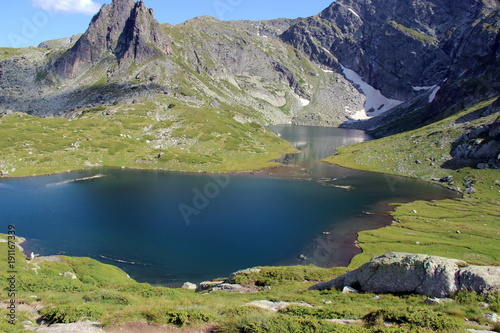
(203, 197)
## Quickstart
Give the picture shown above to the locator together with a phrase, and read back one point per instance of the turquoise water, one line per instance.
(169, 228)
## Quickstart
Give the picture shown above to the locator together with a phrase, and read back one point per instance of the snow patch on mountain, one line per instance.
(376, 103)
(434, 93)
(356, 14)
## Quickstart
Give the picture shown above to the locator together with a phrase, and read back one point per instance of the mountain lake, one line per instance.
(167, 228)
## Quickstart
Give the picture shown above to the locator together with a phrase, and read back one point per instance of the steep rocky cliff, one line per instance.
(400, 44)
(124, 29)
(422, 53)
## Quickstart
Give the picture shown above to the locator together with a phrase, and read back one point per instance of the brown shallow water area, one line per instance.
(337, 246)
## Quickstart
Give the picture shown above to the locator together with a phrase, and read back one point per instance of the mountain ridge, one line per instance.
(381, 66)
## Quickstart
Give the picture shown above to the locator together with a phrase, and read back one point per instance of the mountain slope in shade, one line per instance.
(424, 53)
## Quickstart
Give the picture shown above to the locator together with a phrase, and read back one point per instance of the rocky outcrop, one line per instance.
(189, 286)
(124, 29)
(478, 146)
(417, 273)
(210, 286)
(276, 306)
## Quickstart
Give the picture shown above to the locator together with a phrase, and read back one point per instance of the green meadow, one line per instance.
(73, 289)
(67, 289)
(134, 136)
(467, 228)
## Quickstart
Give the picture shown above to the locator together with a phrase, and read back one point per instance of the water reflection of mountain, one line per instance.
(316, 143)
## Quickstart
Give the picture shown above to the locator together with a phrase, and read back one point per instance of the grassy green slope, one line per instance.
(467, 229)
(133, 135)
(104, 293)
(7, 52)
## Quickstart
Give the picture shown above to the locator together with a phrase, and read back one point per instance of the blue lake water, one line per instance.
(169, 228)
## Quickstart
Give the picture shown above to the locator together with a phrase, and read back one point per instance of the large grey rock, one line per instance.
(207, 285)
(417, 273)
(189, 286)
(491, 317)
(232, 288)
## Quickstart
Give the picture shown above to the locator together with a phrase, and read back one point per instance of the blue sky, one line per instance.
(29, 22)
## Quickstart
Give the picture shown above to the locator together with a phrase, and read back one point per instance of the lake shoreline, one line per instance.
(331, 242)
(346, 245)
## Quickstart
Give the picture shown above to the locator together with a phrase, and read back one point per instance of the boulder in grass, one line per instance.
(189, 286)
(417, 273)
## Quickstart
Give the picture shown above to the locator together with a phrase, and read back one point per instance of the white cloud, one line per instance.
(88, 7)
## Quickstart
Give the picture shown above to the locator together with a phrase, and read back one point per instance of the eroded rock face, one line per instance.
(480, 279)
(480, 145)
(124, 29)
(417, 273)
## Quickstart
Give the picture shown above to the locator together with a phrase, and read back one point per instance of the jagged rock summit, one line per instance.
(125, 30)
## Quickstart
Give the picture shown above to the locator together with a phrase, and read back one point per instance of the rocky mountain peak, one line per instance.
(124, 29)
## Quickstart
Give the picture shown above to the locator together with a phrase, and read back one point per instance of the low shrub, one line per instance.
(494, 302)
(241, 311)
(105, 296)
(283, 323)
(277, 275)
(7, 327)
(411, 317)
(320, 313)
(41, 283)
(467, 297)
(146, 290)
(176, 317)
(65, 314)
